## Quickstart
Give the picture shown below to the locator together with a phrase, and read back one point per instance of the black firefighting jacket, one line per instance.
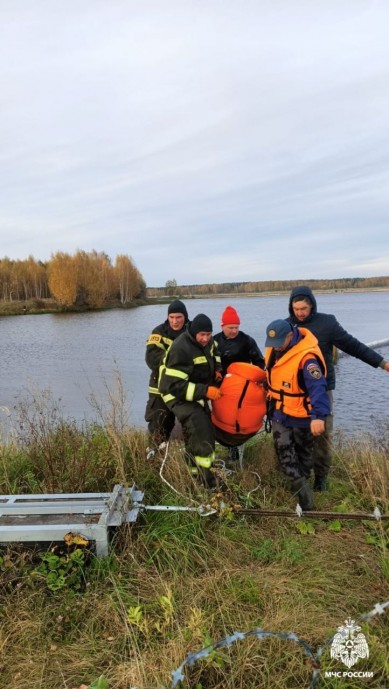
(188, 370)
(157, 345)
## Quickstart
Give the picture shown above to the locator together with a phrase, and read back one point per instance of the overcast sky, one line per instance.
(211, 140)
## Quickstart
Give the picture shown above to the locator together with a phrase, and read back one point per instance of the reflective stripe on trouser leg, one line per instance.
(205, 462)
(197, 428)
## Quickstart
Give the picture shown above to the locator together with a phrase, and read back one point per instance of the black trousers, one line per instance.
(160, 419)
(197, 428)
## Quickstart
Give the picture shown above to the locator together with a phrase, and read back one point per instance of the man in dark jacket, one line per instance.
(160, 419)
(187, 382)
(234, 345)
(330, 334)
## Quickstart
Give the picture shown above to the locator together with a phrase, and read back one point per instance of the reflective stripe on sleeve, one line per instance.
(168, 398)
(156, 344)
(190, 391)
(175, 373)
(154, 391)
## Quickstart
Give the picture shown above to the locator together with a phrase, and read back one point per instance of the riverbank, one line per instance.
(40, 306)
(177, 582)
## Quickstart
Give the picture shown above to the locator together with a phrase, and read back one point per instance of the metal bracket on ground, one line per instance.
(50, 517)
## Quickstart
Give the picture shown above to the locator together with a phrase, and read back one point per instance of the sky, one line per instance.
(210, 140)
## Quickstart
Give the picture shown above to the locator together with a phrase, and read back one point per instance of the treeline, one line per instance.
(171, 287)
(83, 279)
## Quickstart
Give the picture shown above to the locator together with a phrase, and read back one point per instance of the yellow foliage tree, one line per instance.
(128, 278)
(62, 270)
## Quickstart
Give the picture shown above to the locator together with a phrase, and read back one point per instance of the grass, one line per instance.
(176, 582)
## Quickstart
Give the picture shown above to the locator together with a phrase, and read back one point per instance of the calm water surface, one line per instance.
(76, 356)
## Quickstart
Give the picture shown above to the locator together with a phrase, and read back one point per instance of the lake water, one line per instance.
(76, 356)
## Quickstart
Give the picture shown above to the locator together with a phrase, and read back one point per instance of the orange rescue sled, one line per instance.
(238, 415)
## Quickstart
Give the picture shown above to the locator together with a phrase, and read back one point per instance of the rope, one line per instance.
(202, 510)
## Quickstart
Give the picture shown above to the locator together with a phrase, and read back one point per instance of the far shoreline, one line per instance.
(19, 308)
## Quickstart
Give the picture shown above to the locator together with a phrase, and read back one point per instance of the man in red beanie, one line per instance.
(235, 345)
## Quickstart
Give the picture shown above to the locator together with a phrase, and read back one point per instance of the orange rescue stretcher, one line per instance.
(239, 413)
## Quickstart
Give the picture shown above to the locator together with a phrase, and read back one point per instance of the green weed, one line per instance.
(60, 572)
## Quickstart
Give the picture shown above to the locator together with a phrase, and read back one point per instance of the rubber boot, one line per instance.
(301, 487)
(320, 484)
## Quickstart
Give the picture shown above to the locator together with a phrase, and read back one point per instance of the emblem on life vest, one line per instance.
(349, 644)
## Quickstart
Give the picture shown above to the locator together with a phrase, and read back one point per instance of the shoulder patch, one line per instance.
(154, 339)
(314, 370)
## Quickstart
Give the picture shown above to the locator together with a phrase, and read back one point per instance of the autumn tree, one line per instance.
(37, 277)
(128, 278)
(6, 279)
(63, 278)
(91, 284)
(171, 287)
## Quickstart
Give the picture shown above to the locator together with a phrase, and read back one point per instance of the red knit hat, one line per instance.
(230, 316)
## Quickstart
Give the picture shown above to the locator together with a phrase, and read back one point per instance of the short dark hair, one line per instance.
(302, 297)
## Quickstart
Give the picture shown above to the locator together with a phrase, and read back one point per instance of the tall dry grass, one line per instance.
(175, 582)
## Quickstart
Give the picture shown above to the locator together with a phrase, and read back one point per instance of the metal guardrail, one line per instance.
(373, 345)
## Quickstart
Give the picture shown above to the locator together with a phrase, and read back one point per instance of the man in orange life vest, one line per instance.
(299, 402)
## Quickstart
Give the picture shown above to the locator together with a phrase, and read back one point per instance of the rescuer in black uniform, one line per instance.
(187, 382)
(159, 417)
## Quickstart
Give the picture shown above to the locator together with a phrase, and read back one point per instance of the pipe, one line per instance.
(373, 345)
(314, 514)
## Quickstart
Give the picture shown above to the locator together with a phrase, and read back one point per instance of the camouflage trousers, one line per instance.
(322, 445)
(294, 449)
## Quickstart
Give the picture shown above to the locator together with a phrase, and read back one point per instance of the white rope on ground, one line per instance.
(254, 490)
(202, 510)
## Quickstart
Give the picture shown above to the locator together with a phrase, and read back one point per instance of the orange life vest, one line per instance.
(283, 375)
(243, 405)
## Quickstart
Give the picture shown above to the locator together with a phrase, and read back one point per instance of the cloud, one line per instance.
(209, 142)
